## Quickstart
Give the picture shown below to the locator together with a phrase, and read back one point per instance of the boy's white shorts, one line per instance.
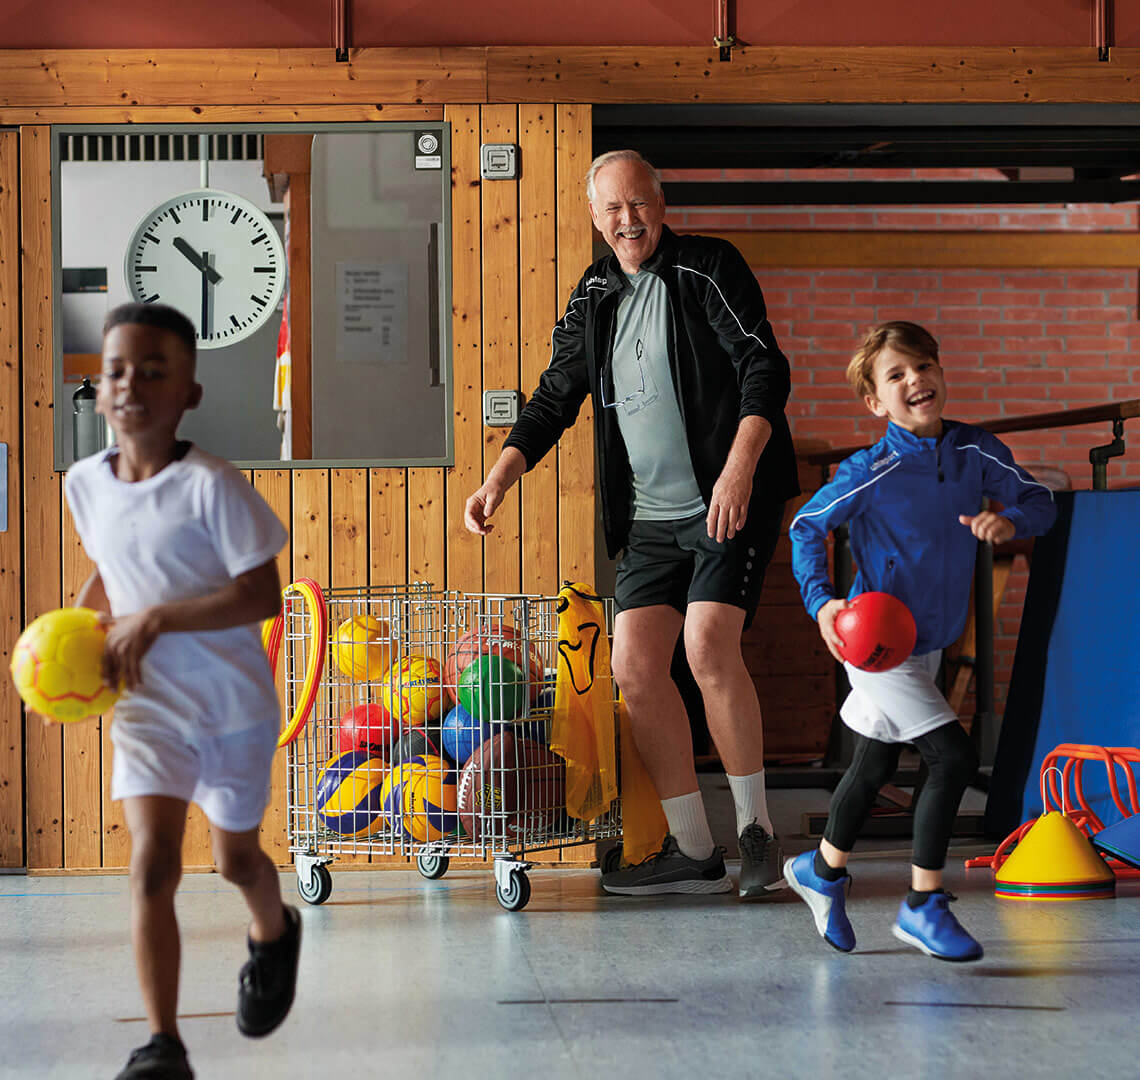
(896, 705)
(228, 776)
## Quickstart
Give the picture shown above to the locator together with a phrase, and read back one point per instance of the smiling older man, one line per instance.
(670, 337)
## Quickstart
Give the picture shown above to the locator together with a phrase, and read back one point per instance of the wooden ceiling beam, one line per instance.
(310, 79)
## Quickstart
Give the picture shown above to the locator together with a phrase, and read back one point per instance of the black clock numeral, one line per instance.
(265, 269)
(145, 269)
(151, 237)
(257, 300)
(258, 238)
(237, 214)
(177, 219)
(234, 321)
(150, 299)
(205, 209)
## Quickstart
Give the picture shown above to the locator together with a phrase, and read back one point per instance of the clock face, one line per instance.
(212, 255)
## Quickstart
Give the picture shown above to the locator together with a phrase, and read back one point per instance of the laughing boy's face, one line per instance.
(910, 391)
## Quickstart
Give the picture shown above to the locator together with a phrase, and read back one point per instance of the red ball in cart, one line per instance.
(368, 727)
(497, 639)
(878, 631)
(511, 789)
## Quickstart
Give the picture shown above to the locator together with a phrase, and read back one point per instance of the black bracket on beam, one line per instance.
(1099, 456)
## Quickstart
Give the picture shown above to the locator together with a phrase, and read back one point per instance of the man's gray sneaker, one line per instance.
(761, 864)
(669, 871)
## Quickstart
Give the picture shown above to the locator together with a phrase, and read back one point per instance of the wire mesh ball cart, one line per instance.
(419, 726)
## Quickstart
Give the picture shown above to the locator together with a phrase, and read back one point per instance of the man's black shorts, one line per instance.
(675, 563)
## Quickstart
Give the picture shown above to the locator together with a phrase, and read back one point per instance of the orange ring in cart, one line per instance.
(272, 636)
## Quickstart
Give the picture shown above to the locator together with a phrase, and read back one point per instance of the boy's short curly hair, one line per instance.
(161, 316)
(904, 337)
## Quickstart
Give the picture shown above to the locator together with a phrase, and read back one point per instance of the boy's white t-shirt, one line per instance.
(183, 533)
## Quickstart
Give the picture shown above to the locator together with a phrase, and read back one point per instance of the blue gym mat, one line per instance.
(1076, 672)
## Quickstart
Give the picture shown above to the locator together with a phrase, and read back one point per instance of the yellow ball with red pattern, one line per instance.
(57, 666)
(413, 691)
(361, 648)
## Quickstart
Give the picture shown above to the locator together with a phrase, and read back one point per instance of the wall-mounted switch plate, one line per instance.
(499, 161)
(501, 407)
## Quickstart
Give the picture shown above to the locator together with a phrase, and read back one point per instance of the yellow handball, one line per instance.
(57, 666)
(361, 648)
(413, 691)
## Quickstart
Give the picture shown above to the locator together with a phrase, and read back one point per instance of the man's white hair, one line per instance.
(608, 158)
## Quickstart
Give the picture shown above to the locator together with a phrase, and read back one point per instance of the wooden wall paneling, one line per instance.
(465, 549)
(936, 248)
(576, 514)
(427, 527)
(501, 551)
(11, 547)
(199, 77)
(82, 743)
(217, 114)
(538, 310)
(576, 511)
(274, 487)
(388, 527)
(298, 255)
(843, 73)
(44, 744)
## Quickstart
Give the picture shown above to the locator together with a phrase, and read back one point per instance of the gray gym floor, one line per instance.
(406, 978)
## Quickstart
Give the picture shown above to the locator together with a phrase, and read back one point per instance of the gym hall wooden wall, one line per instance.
(518, 248)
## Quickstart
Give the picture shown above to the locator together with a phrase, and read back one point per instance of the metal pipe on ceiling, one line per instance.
(1101, 28)
(340, 30)
(722, 37)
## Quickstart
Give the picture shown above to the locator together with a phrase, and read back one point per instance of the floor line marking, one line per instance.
(181, 1016)
(589, 1001)
(975, 1005)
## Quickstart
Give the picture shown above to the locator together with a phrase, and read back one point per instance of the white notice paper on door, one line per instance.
(372, 312)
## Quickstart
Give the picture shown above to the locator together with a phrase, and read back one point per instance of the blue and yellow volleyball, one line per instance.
(421, 798)
(349, 799)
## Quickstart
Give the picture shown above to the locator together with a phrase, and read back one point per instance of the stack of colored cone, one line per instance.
(1054, 861)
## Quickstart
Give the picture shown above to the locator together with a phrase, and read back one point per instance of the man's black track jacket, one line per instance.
(725, 362)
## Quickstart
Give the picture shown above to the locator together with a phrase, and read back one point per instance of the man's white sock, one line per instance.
(751, 802)
(689, 825)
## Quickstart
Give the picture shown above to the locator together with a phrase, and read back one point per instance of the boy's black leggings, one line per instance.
(951, 760)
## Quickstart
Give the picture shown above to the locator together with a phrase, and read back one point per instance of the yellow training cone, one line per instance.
(1054, 861)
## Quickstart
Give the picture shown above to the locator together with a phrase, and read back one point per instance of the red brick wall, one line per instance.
(1013, 342)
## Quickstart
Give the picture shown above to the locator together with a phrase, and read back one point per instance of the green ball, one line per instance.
(493, 688)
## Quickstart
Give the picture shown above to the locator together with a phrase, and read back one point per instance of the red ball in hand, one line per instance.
(878, 631)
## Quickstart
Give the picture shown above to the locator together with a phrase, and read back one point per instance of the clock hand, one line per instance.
(205, 329)
(197, 260)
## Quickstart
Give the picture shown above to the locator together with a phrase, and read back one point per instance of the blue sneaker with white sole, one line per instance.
(932, 928)
(827, 900)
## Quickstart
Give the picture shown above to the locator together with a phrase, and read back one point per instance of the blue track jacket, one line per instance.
(901, 498)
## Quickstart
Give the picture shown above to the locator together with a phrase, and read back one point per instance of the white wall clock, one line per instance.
(215, 257)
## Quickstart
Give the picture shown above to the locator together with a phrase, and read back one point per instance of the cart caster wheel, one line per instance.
(611, 860)
(318, 888)
(432, 866)
(516, 895)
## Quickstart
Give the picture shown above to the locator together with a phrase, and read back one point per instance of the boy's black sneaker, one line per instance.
(761, 864)
(163, 1058)
(268, 979)
(669, 871)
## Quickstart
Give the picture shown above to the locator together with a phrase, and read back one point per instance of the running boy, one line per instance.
(913, 503)
(184, 550)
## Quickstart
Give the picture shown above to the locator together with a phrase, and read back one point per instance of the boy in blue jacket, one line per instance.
(912, 502)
